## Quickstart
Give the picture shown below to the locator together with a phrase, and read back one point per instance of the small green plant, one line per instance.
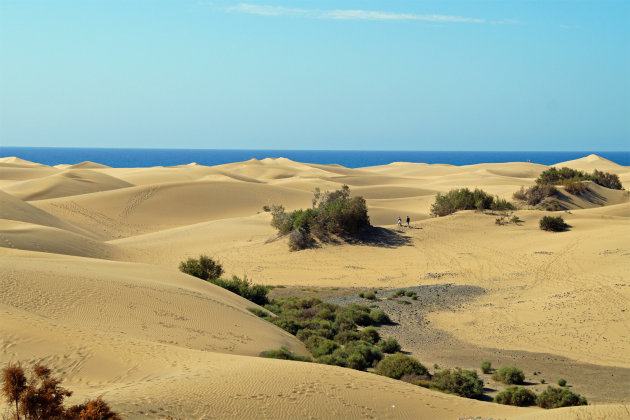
(464, 383)
(559, 397)
(397, 365)
(370, 296)
(411, 294)
(389, 345)
(370, 335)
(553, 224)
(542, 381)
(203, 267)
(258, 312)
(362, 295)
(515, 219)
(486, 366)
(378, 316)
(509, 375)
(436, 366)
(266, 208)
(464, 199)
(562, 382)
(284, 354)
(516, 395)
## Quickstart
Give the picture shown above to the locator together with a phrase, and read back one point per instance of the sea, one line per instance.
(125, 158)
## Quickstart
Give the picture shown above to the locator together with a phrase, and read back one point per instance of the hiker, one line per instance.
(399, 221)
(408, 220)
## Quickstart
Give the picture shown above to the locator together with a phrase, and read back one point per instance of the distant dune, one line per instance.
(89, 283)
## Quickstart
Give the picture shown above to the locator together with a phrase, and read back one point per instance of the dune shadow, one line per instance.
(486, 398)
(380, 237)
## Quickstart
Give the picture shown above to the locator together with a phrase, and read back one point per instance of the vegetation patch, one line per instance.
(284, 354)
(556, 176)
(464, 383)
(553, 224)
(509, 375)
(559, 397)
(516, 395)
(398, 365)
(333, 213)
(464, 199)
(486, 366)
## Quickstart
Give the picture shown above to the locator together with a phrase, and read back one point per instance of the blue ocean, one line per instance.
(120, 158)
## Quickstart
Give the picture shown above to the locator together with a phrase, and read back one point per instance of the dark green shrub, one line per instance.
(259, 312)
(203, 267)
(299, 239)
(559, 397)
(378, 316)
(370, 335)
(266, 208)
(389, 345)
(516, 395)
(537, 193)
(410, 293)
(346, 336)
(370, 295)
(464, 199)
(551, 205)
(464, 383)
(509, 375)
(369, 355)
(554, 224)
(326, 314)
(359, 314)
(486, 366)
(562, 382)
(575, 186)
(285, 354)
(606, 179)
(557, 176)
(242, 287)
(319, 346)
(501, 204)
(289, 325)
(397, 365)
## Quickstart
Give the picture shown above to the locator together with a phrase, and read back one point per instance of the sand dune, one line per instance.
(64, 184)
(89, 282)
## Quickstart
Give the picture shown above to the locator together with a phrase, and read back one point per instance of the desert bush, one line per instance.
(516, 395)
(359, 314)
(411, 294)
(259, 312)
(575, 186)
(203, 267)
(397, 365)
(284, 354)
(509, 375)
(378, 316)
(389, 345)
(501, 204)
(369, 295)
(370, 335)
(559, 397)
(486, 366)
(464, 199)
(299, 239)
(536, 193)
(562, 382)
(554, 224)
(266, 208)
(464, 383)
(41, 396)
(606, 179)
(551, 205)
(280, 219)
(346, 336)
(242, 287)
(320, 346)
(515, 219)
(364, 351)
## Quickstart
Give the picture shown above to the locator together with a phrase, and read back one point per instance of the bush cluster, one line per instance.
(398, 365)
(41, 396)
(554, 224)
(509, 375)
(464, 199)
(575, 186)
(333, 213)
(284, 354)
(535, 194)
(207, 269)
(486, 366)
(331, 332)
(464, 383)
(559, 397)
(402, 293)
(516, 395)
(556, 176)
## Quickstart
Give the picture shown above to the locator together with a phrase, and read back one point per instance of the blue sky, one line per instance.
(371, 75)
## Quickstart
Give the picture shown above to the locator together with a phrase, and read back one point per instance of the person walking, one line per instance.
(399, 221)
(408, 220)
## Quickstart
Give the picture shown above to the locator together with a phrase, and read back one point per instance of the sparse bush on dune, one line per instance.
(378, 316)
(562, 382)
(509, 375)
(464, 199)
(464, 383)
(284, 354)
(41, 396)
(516, 395)
(554, 224)
(389, 345)
(535, 194)
(559, 397)
(486, 366)
(559, 176)
(333, 213)
(575, 186)
(397, 365)
(203, 267)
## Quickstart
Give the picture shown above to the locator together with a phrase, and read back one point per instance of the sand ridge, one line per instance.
(89, 281)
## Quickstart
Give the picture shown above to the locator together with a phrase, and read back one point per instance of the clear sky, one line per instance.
(282, 74)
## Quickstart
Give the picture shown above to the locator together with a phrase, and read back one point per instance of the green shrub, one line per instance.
(285, 354)
(320, 346)
(554, 224)
(537, 193)
(559, 397)
(370, 335)
(378, 316)
(266, 208)
(242, 287)
(346, 336)
(509, 375)
(557, 176)
(562, 382)
(486, 366)
(389, 345)
(464, 383)
(551, 205)
(397, 365)
(370, 295)
(203, 267)
(369, 354)
(516, 395)
(606, 179)
(299, 239)
(411, 294)
(575, 186)
(280, 220)
(259, 312)
(464, 199)
(359, 314)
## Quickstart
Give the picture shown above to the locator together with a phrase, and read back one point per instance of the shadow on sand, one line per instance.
(380, 237)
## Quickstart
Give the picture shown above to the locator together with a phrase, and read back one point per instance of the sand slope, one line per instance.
(89, 282)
